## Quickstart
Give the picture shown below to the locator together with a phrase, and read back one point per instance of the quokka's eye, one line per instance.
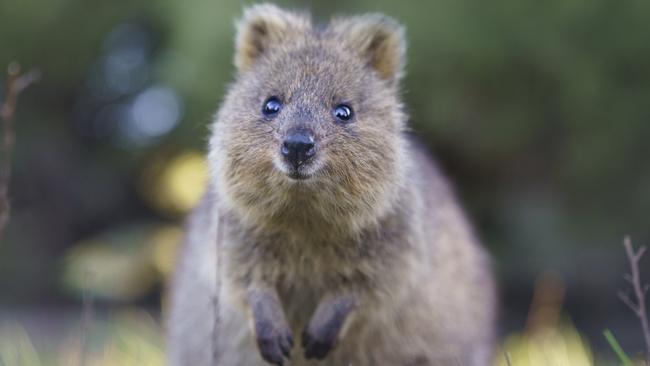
(272, 106)
(343, 112)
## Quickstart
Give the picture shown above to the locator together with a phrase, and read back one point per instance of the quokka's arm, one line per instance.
(272, 332)
(327, 322)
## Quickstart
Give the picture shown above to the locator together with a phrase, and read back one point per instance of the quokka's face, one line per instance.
(312, 110)
(311, 107)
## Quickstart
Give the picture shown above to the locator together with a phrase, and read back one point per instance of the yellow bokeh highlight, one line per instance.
(164, 244)
(562, 346)
(174, 185)
(123, 264)
(549, 339)
(106, 271)
(184, 180)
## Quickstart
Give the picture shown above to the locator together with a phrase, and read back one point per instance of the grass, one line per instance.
(129, 337)
(622, 356)
(133, 337)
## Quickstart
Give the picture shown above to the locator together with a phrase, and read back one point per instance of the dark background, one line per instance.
(538, 111)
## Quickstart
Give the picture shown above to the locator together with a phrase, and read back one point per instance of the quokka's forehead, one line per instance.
(312, 67)
(318, 57)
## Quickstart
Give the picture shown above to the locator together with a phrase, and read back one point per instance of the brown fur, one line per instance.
(369, 261)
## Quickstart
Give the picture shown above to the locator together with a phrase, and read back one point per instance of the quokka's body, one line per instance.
(323, 222)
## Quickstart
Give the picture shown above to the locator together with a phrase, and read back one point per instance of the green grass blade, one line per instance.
(617, 348)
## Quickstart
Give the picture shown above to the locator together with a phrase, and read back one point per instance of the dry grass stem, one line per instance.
(15, 84)
(86, 321)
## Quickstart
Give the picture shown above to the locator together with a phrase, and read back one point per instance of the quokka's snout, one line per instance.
(298, 147)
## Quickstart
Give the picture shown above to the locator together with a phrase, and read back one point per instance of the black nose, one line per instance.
(298, 147)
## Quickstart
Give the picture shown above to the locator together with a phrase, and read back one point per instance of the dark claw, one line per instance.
(270, 351)
(274, 344)
(286, 343)
(316, 347)
(323, 330)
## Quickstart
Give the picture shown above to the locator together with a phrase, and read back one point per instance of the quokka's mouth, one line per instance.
(304, 172)
(298, 175)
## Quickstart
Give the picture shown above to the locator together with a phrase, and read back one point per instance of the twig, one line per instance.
(506, 354)
(640, 290)
(15, 84)
(86, 321)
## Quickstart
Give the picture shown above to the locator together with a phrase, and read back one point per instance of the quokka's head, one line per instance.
(313, 109)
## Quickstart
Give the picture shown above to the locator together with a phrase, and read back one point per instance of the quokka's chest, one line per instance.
(315, 260)
(313, 265)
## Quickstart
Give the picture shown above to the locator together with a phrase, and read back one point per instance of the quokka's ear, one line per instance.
(263, 27)
(379, 40)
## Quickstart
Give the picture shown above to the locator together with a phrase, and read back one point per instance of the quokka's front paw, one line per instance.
(274, 342)
(318, 342)
(324, 328)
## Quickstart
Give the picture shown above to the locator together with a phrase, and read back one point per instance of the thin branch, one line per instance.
(627, 278)
(638, 254)
(639, 308)
(15, 84)
(630, 304)
(506, 354)
(86, 320)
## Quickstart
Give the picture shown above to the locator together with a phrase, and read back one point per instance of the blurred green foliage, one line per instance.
(539, 112)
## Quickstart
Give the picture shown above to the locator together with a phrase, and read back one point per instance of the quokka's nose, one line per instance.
(298, 147)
